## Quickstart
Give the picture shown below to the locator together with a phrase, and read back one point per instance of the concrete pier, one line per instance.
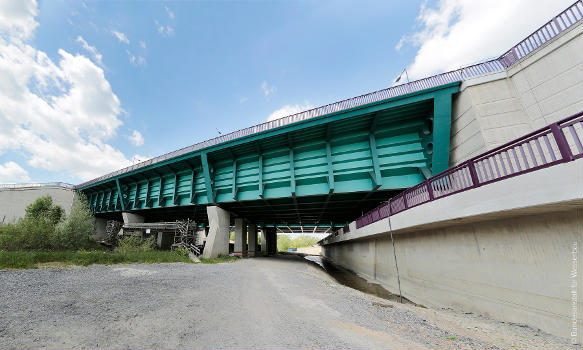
(100, 225)
(252, 239)
(131, 218)
(264, 240)
(217, 241)
(240, 237)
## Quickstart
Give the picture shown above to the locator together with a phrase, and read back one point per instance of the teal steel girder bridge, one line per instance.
(323, 171)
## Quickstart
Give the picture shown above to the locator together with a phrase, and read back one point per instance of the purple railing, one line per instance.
(550, 30)
(547, 32)
(557, 143)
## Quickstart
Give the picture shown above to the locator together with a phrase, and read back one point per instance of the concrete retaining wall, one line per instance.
(542, 88)
(13, 201)
(515, 269)
(504, 249)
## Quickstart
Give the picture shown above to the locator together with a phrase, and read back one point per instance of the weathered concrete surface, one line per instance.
(504, 249)
(100, 228)
(252, 239)
(541, 89)
(514, 269)
(13, 201)
(217, 240)
(240, 248)
(264, 240)
(130, 218)
(262, 303)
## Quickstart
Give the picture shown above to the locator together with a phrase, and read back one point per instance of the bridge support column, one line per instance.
(100, 225)
(252, 240)
(217, 241)
(271, 240)
(264, 241)
(130, 218)
(240, 237)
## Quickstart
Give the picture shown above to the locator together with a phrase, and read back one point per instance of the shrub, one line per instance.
(45, 227)
(43, 209)
(135, 243)
(283, 242)
(74, 231)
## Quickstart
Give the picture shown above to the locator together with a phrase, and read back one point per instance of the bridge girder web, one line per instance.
(322, 171)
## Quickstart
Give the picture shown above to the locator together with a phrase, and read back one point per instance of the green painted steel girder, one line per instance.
(373, 148)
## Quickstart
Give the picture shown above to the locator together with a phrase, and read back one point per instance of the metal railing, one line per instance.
(491, 66)
(557, 143)
(550, 30)
(547, 32)
(46, 184)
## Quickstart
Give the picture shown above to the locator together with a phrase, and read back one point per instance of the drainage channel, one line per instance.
(352, 280)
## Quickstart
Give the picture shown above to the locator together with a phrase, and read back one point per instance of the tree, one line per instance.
(43, 209)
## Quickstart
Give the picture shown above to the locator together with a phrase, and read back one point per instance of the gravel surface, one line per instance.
(263, 303)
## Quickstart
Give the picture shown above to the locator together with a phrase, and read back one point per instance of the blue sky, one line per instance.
(127, 80)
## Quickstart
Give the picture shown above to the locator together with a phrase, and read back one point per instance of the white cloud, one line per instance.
(136, 60)
(289, 110)
(59, 114)
(243, 100)
(267, 90)
(136, 138)
(17, 17)
(10, 172)
(97, 57)
(143, 44)
(461, 32)
(121, 37)
(165, 30)
(170, 13)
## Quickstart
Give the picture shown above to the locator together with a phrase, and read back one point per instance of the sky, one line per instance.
(89, 87)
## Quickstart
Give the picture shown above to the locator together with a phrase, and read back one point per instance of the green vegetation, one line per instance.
(220, 259)
(45, 227)
(284, 242)
(46, 237)
(32, 259)
(137, 244)
(451, 337)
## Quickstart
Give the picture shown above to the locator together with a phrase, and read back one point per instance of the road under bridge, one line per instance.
(317, 173)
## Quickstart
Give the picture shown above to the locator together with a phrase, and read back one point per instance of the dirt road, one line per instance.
(261, 303)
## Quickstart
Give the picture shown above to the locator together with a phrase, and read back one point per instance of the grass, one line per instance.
(36, 259)
(55, 259)
(451, 337)
(220, 259)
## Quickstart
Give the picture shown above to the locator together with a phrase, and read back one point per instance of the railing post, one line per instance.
(429, 190)
(473, 174)
(561, 142)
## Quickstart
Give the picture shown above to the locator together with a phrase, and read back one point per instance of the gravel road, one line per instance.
(282, 302)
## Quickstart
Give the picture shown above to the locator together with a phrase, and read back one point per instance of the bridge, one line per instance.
(316, 173)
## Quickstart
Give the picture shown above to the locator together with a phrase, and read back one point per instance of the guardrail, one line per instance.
(554, 144)
(377, 96)
(548, 31)
(560, 23)
(46, 184)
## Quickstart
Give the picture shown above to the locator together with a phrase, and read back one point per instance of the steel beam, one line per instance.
(377, 179)
(330, 169)
(175, 194)
(192, 189)
(441, 131)
(207, 178)
(234, 180)
(292, 172)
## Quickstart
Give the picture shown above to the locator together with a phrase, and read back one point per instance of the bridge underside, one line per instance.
(324, 171)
